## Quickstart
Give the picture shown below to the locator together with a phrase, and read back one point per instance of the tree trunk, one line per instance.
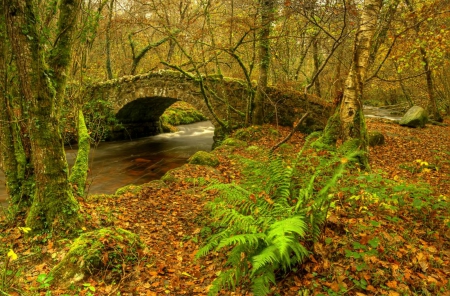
(351, 112)
(432, 105)
(80, 169)
(267, 11)
(315, 44)
(53, 206)
(108, 41)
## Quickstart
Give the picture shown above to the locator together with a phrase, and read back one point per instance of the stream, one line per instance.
(116, 164)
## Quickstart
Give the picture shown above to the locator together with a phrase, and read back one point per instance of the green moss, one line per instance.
(331, 133)
(98, 251)
(375, 138)
(179, 113)
(133, 189)
(58, 212)
(234, 142)
(198, 181)
(204, 158)
(80, 169)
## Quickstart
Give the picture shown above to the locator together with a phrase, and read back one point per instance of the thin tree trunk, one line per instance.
(432, 104)
(351, 112)
(267, 11)
(315, 44)
(108, 41)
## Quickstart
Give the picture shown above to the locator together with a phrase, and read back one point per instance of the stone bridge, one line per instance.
(140, 100)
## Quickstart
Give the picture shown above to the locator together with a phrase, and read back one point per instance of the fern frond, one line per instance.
(295, 224)
(212, 243)
(269, 255)
(251, 240)
(226, 278)
(261, 284)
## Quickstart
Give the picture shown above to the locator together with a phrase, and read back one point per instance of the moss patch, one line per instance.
(107, 249)
(234, 142)
(179, 113)
(204, 158)
(133, 189)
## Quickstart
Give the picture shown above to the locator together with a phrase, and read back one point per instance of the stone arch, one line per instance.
(140, 117)
(227, 96)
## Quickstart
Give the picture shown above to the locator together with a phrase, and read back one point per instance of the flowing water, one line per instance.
(116, 164)
(389, 112)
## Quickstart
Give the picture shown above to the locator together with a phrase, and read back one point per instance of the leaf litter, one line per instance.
(366, 248)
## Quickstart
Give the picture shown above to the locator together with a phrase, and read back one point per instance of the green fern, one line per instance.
(266, 223)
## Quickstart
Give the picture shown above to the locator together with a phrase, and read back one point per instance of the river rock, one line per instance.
(375, 138)
(416, 116)
(204, 158)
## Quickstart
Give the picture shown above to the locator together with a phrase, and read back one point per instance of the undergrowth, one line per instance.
(267, 223)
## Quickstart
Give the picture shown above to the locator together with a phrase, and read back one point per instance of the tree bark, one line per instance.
(267, 12)
(42, 85)
(351, 113)
(432, 105)
(315, 44)
(108, 42)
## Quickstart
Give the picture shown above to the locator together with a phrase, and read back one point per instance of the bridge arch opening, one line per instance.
(142, 117)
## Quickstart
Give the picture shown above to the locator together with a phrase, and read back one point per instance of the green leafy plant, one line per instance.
(266, 223)
(44, 280)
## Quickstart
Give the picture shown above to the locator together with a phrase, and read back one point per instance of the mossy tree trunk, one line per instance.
(41, 68)
(267, 13)
(79, 172)
(351, 111)
(14, 147)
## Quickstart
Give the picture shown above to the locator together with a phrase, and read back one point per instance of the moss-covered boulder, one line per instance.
(375, 138)
(98, 251)
(204, 158)
(179, 113)
(415, 117)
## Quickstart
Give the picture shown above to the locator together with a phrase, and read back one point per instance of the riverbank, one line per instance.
(366, 247)
(115, 164)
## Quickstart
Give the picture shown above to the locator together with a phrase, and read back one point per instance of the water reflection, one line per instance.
(116, 164)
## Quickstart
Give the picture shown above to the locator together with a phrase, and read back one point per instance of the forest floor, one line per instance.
(366, 248)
